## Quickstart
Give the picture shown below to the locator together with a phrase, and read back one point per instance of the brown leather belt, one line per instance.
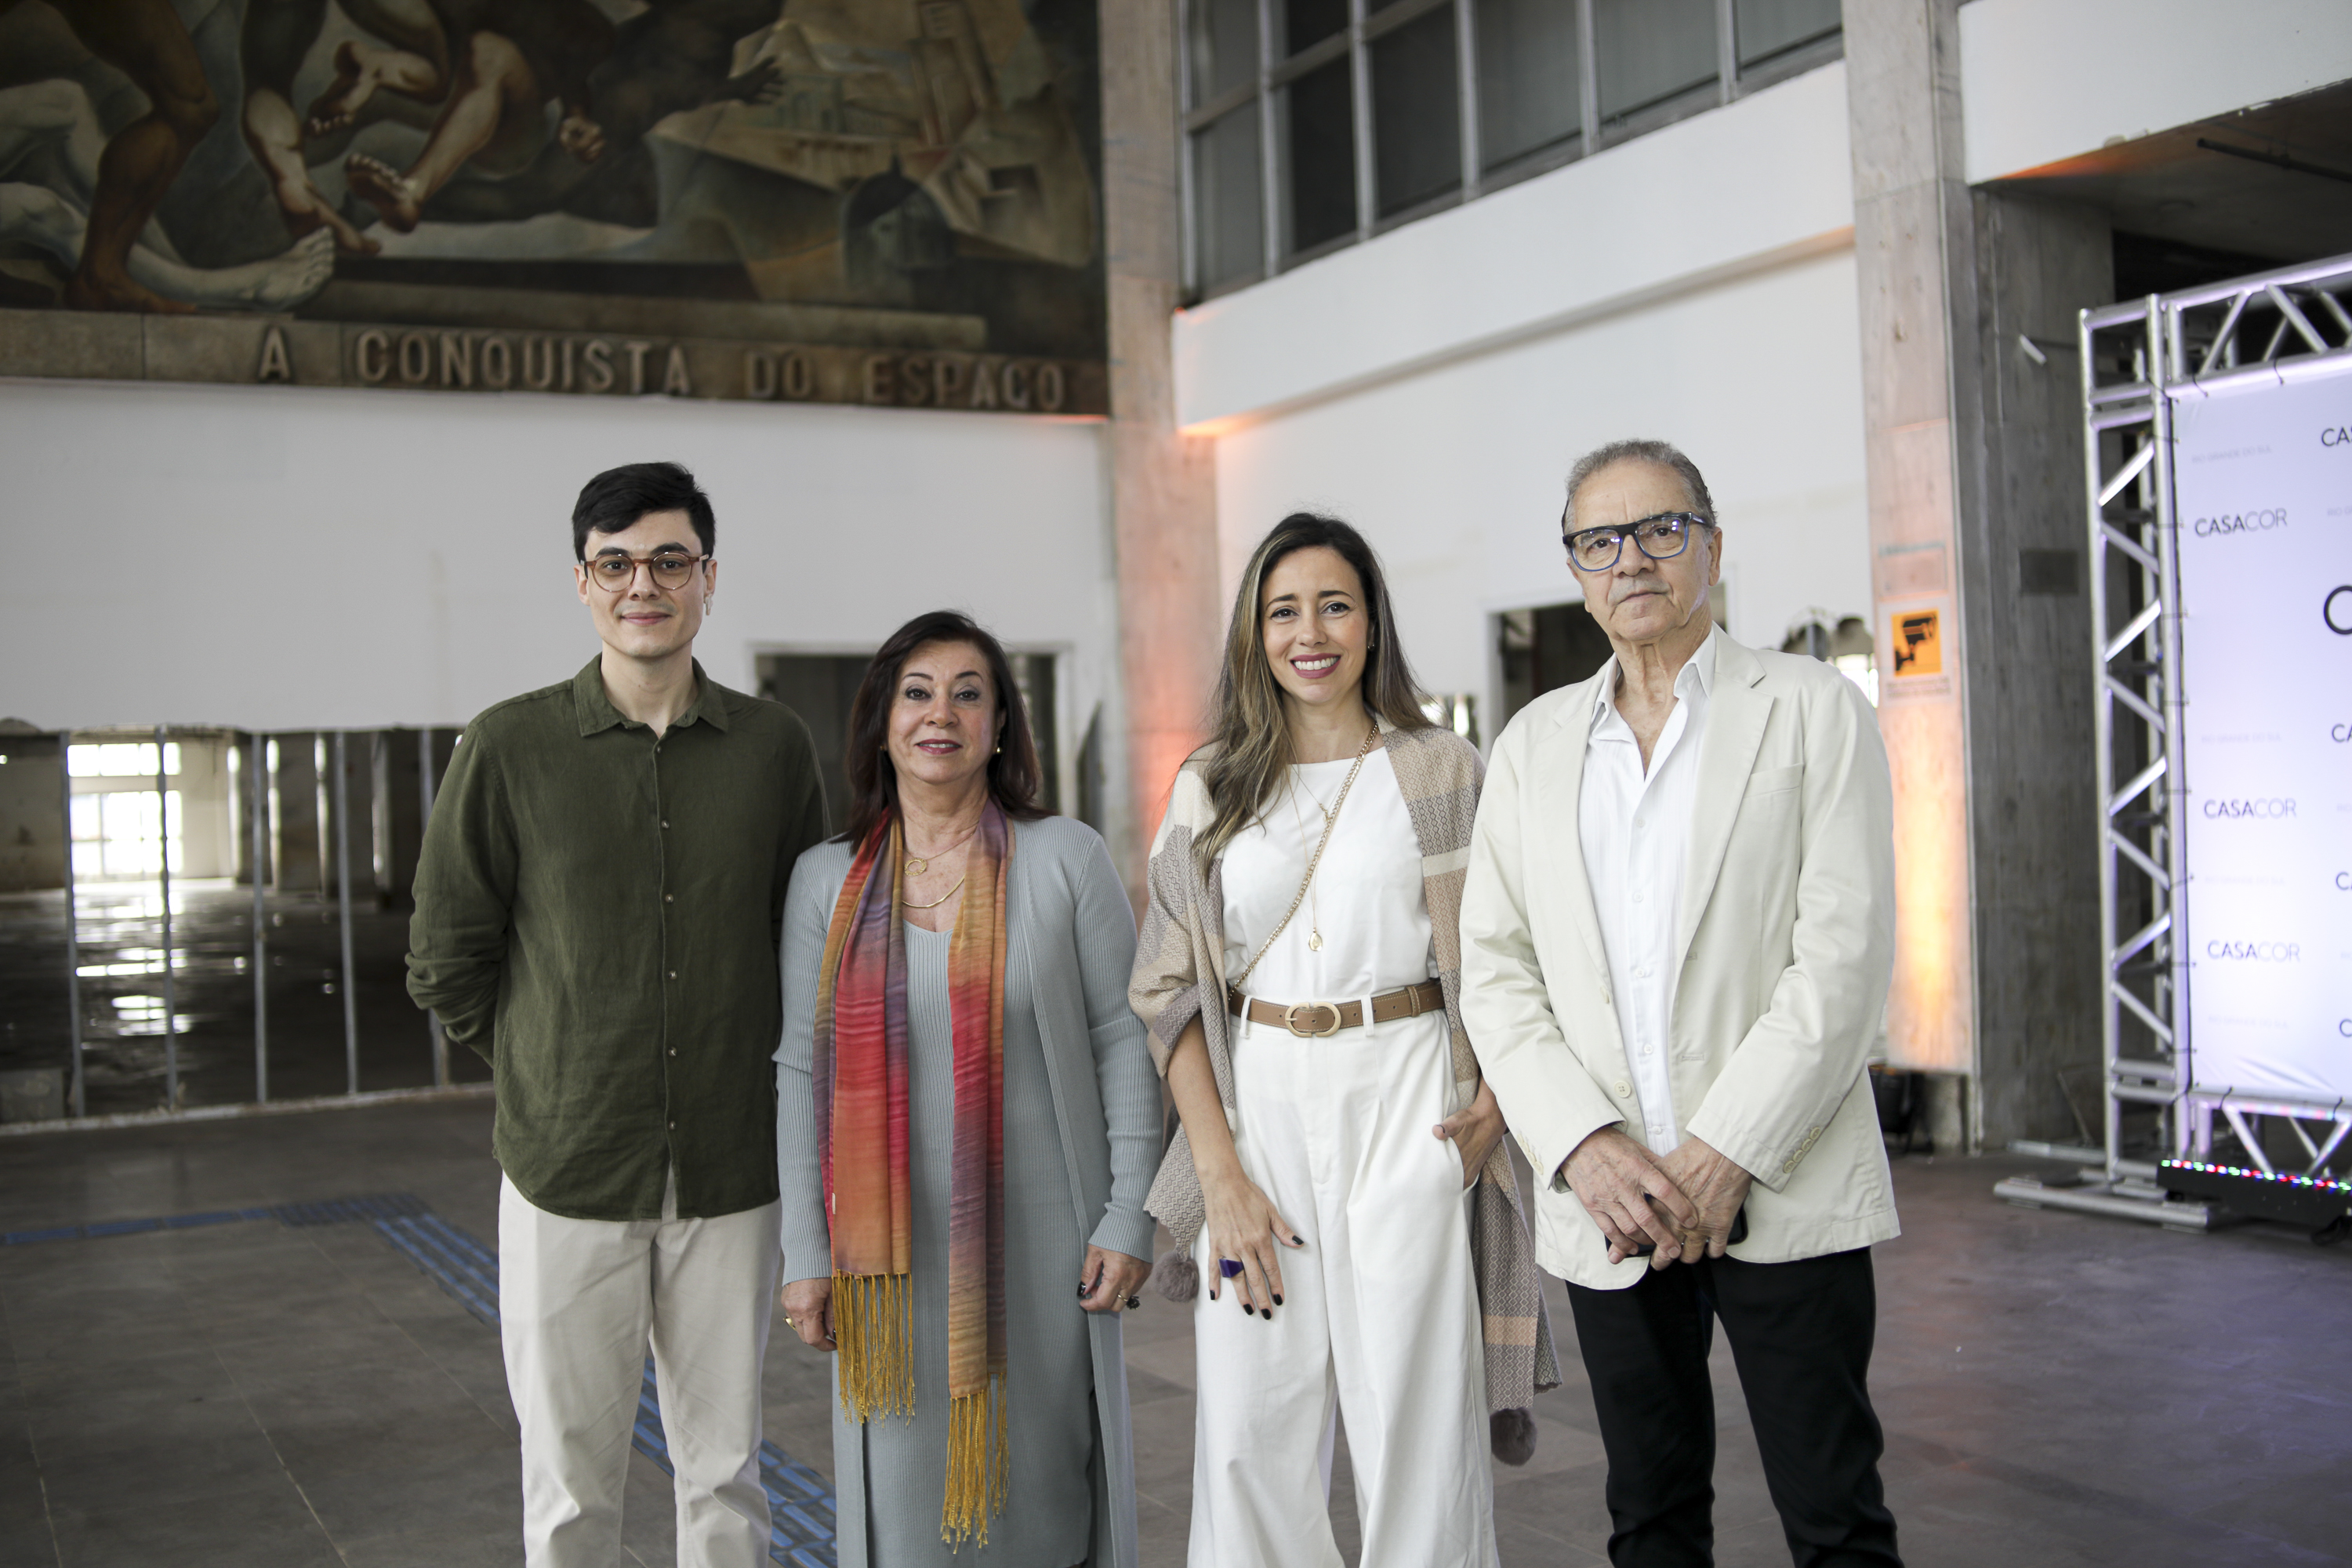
(1316, 1020)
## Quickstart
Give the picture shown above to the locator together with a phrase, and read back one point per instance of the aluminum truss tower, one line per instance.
(2138, 359)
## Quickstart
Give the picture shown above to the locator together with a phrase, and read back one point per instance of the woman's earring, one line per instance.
(706, 607)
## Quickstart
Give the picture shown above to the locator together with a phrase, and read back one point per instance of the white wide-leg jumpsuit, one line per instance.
(1379, 1311)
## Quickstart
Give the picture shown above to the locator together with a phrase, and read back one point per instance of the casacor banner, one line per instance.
(2263, 489)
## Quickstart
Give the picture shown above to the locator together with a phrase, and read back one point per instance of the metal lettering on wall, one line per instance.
(885, 203)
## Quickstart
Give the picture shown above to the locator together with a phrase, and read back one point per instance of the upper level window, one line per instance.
(1310, 124)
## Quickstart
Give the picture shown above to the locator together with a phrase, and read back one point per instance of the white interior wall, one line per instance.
(1455, 474)
(1435, 385)
(284, 558)
(1768, 175)
(2042, 80)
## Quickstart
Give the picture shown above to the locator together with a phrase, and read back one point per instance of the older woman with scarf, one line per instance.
(967, 1127)
(1300, 971)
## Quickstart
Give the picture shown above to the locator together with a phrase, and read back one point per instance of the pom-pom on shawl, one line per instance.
(1180, 975)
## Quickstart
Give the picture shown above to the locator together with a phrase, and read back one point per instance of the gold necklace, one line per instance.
(918, 863)
(943, 899)
(1331, 822)
(1314, 900)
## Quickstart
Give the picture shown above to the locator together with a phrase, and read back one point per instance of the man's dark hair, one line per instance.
(614, 500)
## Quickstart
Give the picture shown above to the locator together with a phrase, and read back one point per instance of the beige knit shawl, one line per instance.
(1180, 975)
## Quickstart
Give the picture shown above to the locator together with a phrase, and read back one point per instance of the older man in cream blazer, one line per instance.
(1676, 938)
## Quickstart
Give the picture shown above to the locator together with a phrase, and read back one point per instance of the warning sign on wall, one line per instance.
(1917, 643)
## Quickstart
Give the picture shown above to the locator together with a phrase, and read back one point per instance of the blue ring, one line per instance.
(1229, 1267)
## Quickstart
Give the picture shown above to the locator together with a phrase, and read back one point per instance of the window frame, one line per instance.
(1365, 26)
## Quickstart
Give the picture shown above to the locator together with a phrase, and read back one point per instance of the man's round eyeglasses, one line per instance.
(670, 570)
(1660, 537)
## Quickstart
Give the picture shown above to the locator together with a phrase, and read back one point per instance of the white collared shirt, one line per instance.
(1635, 832)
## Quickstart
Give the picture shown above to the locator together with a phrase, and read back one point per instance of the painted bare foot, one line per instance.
(581, 136)
(383, 187)
(357, 76)
(308, 212)
(86, 291)
(281, 282)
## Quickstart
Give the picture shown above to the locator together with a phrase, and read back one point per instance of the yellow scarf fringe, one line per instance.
(977, 1460)
(873, 1340)
(873, 1333)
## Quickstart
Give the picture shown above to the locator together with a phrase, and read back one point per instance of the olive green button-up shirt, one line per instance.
(597, 913)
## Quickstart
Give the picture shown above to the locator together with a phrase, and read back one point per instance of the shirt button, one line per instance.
(1647, 1051)
(1624, 1088)
(669, 898)
(1637, 898)
(673, 1050)
(665, 822)
(673, 1126)
(673, 974)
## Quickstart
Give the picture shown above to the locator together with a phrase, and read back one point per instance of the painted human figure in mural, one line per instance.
(45, 202)
(146, 41)
(675, 55)
(491, 66)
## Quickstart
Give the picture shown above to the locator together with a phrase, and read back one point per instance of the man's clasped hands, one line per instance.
(1682, 1203)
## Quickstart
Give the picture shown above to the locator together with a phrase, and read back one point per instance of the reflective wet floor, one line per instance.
(126, 1066)
(2057, 1390)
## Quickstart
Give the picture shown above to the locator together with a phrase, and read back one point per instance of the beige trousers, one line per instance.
(579, 1302)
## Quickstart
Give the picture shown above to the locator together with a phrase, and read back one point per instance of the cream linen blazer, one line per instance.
(1785, 944)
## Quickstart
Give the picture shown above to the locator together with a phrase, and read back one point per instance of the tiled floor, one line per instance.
(119, 927)
(2057, 1390)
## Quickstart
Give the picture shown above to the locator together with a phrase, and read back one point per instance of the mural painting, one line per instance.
(869, 201)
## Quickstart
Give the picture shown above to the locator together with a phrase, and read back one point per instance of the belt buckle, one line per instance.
(1290, 1019)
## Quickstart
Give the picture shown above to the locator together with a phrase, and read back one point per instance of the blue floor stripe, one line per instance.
(800, 1503)
(801, 1506)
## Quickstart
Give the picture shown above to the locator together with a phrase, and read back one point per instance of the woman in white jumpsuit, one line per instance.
(1298, 975)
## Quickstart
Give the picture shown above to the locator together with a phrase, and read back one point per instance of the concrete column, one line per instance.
(1974, 450)
(1914, 263)
(298, 860)
(1162, 484)
(2026, 610)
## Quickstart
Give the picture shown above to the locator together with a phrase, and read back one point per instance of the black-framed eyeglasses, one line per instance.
(1660, 536)
(670, 570)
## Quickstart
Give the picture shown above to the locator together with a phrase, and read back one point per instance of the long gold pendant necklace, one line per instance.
(1314, 903)
(1331, 825)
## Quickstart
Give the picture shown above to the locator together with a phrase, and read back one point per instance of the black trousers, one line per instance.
(1800, 1335)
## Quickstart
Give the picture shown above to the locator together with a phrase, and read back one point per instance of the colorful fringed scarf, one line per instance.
(862, 1138)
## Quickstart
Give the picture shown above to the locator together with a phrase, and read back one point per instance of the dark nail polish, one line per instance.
(1277, 1300)
(1082, 1292)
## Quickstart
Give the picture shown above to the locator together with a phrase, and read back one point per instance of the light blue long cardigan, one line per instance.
(1069, 927)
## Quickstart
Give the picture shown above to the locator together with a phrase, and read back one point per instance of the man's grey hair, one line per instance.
(1665, 454)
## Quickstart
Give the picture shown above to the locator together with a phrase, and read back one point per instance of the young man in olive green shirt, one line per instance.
(597, 912)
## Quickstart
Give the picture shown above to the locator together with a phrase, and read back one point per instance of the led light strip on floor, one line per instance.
(800, 1501)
